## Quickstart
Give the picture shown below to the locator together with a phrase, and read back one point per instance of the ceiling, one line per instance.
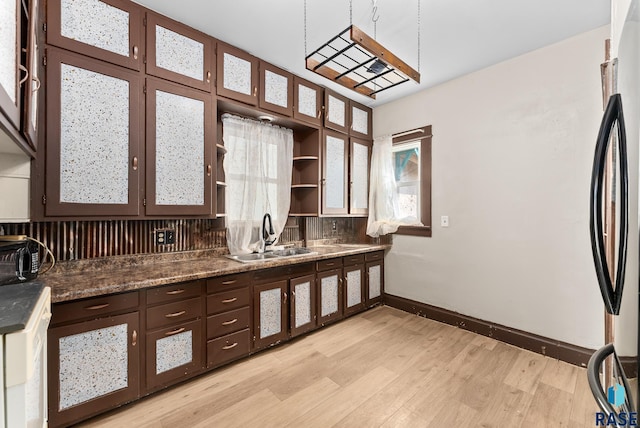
(457, 36)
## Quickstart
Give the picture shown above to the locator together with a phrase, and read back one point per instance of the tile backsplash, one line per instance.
(75, 240)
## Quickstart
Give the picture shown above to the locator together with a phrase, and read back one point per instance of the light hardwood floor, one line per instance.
(382, 368)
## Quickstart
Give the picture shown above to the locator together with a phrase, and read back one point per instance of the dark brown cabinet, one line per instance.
(12, 72)
(179, 53)
(276, 89)
(174, 338)
(109, 30)
(237, 74)
(330, 292)
(374, 287)
(180, 141)
(94, 357)
(360, 119)
(359, 159)
(354, 284)
(336, 111)
(308, 101)
(270, 313)
(93, 137)
(303, 306)
(228, 318)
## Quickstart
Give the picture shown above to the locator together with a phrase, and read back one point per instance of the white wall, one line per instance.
(15, 172)
(512, 154)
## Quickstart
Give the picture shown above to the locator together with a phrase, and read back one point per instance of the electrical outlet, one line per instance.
(165, 236)
(334, 225)
(444, 221)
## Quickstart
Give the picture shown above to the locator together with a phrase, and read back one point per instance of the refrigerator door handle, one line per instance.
(611, 295)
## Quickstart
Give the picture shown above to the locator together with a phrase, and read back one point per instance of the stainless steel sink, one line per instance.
(254, 257)
(272, 255)
(290, 252)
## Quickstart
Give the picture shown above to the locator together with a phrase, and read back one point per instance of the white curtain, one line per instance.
(384, 215)
(258, 166)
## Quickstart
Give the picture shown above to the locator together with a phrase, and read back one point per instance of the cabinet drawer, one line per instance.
(172, 313)
(173, 292)
(353, 260)
(328, 264)
(232, 299)
(94, 307)
(227, 348)
(226, 282)
(378, 255)
(284, 272)
(228, 322)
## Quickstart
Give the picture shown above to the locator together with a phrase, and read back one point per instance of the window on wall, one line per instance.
(412, 170)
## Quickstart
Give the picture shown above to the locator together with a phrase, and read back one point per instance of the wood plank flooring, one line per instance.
(381, 368)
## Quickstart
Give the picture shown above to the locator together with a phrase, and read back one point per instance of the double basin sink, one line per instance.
(271, 255)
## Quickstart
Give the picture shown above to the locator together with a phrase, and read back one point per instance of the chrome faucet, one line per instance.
(267, 236)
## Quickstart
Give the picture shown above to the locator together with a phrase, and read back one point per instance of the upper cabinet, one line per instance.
(359, 155)
(237, 74)
(93, 137)
(334, 173)
(276, 89)
(307, 101)
(336, 111)
(361, 120)
(180, 143)
(178, 53)
(12, 72)
(110, 30)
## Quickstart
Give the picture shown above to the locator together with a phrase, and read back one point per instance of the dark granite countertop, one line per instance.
(90, 278)
(16, 305)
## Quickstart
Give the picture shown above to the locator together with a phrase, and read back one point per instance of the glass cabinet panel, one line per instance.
(359, 177)
(174, 351)
(94, 137)
(359, 120)
(375, 281)
(307, 98)
(95, 23)
(179, 54)
(307, 101)
(180, 143)
(329, 292)
(334, 167)
(92, 364)
(270, 312)
(237, 74)
(8, 47)
(336, 111)
(276, 89)
(354, 287)
(303, 304)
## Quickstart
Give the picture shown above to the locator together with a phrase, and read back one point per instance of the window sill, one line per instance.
(414, 231)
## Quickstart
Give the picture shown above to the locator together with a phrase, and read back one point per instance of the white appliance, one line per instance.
(25, 370)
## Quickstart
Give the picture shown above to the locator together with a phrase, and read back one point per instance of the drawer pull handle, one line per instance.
(226, 348)
(255, 91)
(176, 331)
(134, 163)
(208, 77)
(175, 314)
(174, 292)
(231, 300)
(208, 170)
(233, 321)
(96, 307)
(134, 338)
(232, 281)
(319, 113)
(135, 52)
(330, 264)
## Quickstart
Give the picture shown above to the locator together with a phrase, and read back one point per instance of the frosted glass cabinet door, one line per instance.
(93, 365)
(276, 89)
(237, 74)
(375, 282)
(179, 149)
(360, 120)
(303, 304)
(336, 111)
(10, 59)
(359, 185)
(354, 289)
(270, 313)
(29, 119)
(334, 173)
(307, 101)
(92, 137)
(105, 29)
(329, 296)
(178, 53)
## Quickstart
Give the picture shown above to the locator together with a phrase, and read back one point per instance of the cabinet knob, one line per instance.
(134, 163)
(135, 52)
(208, 170)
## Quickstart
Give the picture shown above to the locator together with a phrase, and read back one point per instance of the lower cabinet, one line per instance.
(330, 296)
(174, 336)
(271, 310)
(354, 289)
(303, 309)
(93, 366)
(374, 286)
